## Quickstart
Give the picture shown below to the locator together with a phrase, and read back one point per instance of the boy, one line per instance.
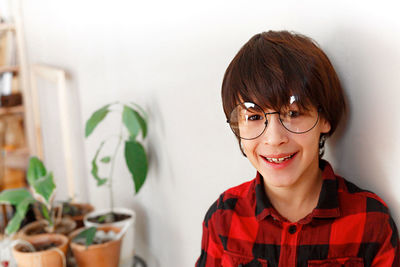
(282, 99)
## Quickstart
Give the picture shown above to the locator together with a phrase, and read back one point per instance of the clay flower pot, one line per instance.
(128, 246)
(99, 255)
(52, 257)
(64, 227)
(83, 209)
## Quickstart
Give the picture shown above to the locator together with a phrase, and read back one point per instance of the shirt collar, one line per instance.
(328, 202)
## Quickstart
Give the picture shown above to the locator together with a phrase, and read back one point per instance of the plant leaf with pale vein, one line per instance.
(15, 196)
(41, 182)
(20, 212)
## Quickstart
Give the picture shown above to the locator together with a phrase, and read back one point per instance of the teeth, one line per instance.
(279, 160)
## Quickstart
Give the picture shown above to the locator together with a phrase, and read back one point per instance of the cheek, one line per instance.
(249, 146)
(309, 143)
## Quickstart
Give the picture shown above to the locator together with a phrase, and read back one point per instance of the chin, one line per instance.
(278, 180)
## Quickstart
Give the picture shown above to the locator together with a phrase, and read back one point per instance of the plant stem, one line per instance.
(112, 169)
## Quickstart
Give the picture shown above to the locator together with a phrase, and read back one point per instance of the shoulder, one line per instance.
(229, 199)
(355, 199)
(371, 218)
(366, 209)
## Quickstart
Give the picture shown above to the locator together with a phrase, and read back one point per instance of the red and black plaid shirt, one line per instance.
(349, 227)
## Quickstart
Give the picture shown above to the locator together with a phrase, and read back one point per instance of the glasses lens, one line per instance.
(247, 120)
(298, 121)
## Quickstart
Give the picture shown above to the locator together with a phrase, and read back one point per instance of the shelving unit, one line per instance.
(7, 27)
(12, 110)
(14, 157)
(4, 69)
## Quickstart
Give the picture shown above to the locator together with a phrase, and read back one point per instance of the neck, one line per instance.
(298, 200)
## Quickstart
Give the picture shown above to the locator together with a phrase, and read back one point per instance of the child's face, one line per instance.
(277, 142)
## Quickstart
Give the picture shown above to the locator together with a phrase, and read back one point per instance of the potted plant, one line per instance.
(75, 211)
(49, 248)
(130, 134)
(96, 247)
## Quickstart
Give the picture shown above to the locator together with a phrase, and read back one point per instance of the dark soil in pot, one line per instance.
(70, 209)
(59, 229)
(109, 218)
(39, 247)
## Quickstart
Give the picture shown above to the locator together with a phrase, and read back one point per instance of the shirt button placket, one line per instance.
(292, 229)
(289, 245)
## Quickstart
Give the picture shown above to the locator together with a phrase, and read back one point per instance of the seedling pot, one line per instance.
(127, 247)
(64, 227)
(99, 255)
(84, 208)
(53, 257)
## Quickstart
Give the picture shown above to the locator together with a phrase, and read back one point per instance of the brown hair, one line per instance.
(272, 66)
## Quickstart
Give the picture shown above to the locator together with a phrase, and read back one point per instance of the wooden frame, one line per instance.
(58, 77)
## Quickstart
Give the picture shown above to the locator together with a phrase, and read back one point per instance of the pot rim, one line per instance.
(44, 222)
(117, 209)
(50, 236)
(95, 246)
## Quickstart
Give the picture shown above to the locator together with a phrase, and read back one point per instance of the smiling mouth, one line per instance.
(279, 160)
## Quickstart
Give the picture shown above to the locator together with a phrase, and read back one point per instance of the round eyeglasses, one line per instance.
(248, 120)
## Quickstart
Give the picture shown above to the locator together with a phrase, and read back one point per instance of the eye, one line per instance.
(293, 114)
(255, 117)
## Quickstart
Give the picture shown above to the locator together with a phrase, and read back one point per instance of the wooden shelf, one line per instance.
(9, 69)
(17, 159)
(13, 179)
(15, 165)
(7, 27)
(11, 110)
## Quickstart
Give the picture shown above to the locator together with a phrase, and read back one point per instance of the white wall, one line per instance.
(170, 57)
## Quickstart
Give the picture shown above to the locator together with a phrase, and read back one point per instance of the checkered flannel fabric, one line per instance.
(349, 227)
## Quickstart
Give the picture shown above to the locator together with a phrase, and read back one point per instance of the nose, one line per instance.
(275, 134)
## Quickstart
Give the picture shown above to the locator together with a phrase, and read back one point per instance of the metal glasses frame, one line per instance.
(266, 122)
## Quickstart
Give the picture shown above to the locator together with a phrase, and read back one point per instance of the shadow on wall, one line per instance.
(159, 159)
(364, 146)
(151, 224)
(142, 236)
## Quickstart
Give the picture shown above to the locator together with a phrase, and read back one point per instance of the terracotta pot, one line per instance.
(54, 257)
(64, 227)
(85, 208)
(99, 255)
(128, 245)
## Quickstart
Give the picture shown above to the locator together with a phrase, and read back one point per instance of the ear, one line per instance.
(325, 126)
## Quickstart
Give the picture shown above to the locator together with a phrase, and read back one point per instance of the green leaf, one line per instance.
(95, 119)
(21, 198)
(141, 117)
(102, 218)
(142, 122)
(131, 122)
(141, 110)
(95, 169)
(136, 160)
(15, 196)
(87, 234)
(36, 170)
(46, 215)
(106, 159)
(41, 182)
(20, 212)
